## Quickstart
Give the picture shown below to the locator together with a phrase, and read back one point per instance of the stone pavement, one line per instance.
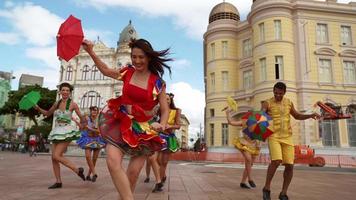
(24, 177)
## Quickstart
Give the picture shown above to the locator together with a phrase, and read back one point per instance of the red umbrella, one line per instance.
(69, 38)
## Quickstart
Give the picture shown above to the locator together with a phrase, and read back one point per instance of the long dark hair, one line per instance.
(157, 58)
(172, 105)
(65, 84)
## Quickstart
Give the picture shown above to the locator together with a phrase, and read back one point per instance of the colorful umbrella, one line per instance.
(29, 100)
(69, 38)
(257, 125)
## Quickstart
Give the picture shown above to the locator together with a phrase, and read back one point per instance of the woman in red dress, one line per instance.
(127, 122)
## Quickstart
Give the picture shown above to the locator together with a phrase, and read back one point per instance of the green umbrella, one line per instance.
(29, 100)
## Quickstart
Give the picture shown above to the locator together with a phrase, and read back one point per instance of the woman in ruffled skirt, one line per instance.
(63, 132)
(250, 149)
(127, 122)
(92, 142)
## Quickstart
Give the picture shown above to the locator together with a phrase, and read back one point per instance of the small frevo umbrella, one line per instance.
(257, 125)
(69, 38)
(29, 100)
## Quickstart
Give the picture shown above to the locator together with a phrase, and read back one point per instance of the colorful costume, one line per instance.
(91, 139)
(63, 129)
(125, 121)
(244, 143)
(280, 143)
(170, 138)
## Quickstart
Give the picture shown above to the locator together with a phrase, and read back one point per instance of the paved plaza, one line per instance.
(24, 177)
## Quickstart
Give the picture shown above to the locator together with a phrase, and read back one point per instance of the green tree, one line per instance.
(48, 97)
(43, 128)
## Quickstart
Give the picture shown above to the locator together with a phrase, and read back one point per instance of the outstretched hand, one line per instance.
(315, 116)
(88, 45)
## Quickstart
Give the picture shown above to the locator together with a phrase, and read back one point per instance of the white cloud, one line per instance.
(192, 16)
(181, 64)
(48, 55)
(192, 103)
(9, 38)
(37, 25)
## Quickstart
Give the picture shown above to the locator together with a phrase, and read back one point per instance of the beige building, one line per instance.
(309, 45)
(28, 79)
(183, 134)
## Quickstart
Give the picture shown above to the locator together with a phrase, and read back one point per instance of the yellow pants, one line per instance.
(278, 150)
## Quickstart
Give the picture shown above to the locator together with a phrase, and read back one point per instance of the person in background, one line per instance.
(91, 142)
(63, 132)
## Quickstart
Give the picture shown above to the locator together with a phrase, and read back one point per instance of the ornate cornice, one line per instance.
(348, 53)
(325, 51)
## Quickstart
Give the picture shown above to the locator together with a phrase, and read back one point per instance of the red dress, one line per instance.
(131, 131)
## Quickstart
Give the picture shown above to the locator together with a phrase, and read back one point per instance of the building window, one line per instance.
(247, 79)
(247, 48)
(224, 49)
(212, 134)
(61, 74)
(325, 70)
(225, 134)
(212, 112)
(322, 33)
(85, 74)
(69, 73)
(96, 74)
(277, 29)
(212, 46)
(351, 126)
(91, 98)
(261, 26)
(278, 67)
(349, 72)
(225, 80)
(212, 81)
(346, 35)
(263, 69)
(329, 131)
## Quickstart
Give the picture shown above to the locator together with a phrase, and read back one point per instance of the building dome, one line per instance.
(224, 11)
(127, 33)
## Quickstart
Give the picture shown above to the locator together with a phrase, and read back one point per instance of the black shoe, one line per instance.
(81, 173)
(266, 194)
(164, 179)
(244, 186)
(55, 186)
(88, 178)
(283, 196)
(94, 178)
(252, 184)
(158, 187)
(146, 180)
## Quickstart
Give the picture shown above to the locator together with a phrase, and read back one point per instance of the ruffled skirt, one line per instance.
(123, 131)
(63, 133)
(244, 144)
(171, 143)
(91, 142)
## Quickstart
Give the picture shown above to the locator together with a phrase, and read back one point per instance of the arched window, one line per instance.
(96, 74)
(90, 98)
(329, 130)
(69, 73)
(351, 125)
(85, 74)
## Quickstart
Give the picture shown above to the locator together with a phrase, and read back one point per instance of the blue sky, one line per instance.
(28, 30)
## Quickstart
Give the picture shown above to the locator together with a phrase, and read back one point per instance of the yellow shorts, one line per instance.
(281, 151)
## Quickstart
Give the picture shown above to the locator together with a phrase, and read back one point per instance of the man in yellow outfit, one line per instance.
(280, 143)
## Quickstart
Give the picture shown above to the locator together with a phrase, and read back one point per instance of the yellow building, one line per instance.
(309, 45)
